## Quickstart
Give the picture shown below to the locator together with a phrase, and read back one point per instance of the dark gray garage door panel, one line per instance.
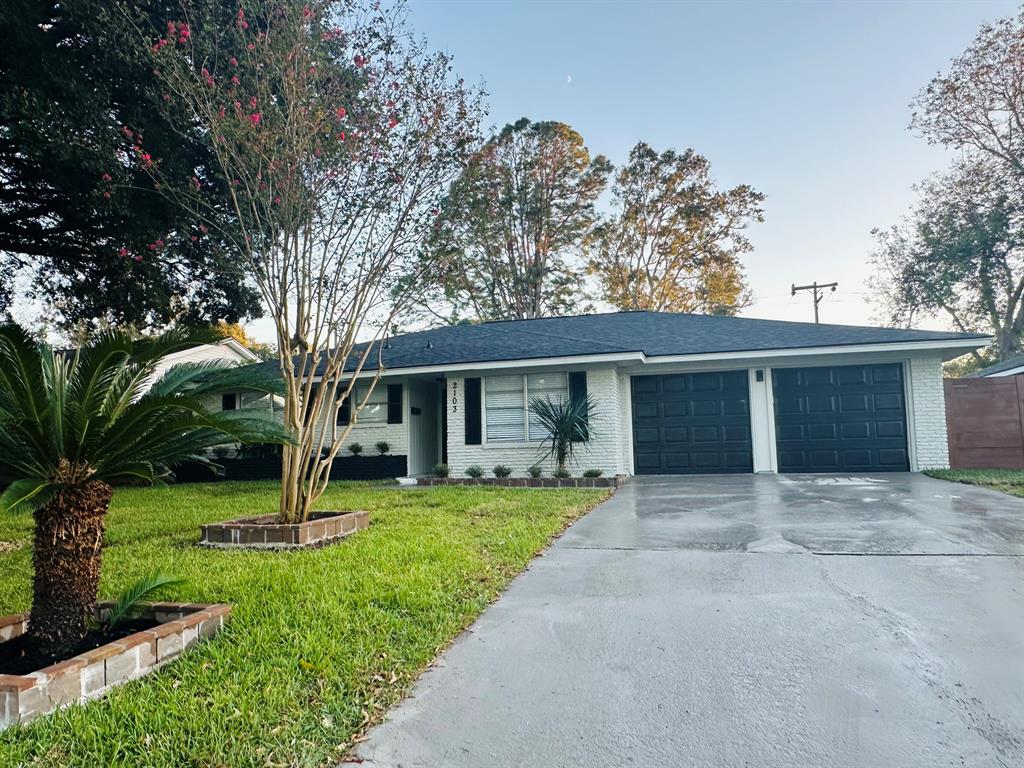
(691, 423)
(848, 418)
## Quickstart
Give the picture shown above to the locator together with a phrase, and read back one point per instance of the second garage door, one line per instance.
(690, 423)
(850, 418)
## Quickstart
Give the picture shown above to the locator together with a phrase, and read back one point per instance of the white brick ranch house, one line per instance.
(674, 394)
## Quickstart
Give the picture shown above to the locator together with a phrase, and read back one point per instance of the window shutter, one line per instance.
(472, 408)
(394, 403)
(345, 413)
(228, 401)
(578, 391)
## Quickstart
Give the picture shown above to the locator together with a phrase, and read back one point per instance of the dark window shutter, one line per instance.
(345, 412)
(394, 403)
(228, 401)
(578, 388)
(474, 428)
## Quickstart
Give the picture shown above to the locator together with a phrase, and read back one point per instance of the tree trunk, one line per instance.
(66, 559)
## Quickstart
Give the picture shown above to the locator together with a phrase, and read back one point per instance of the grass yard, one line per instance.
(320, 643)
(1009, 481)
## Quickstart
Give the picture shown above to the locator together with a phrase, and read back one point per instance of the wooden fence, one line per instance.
(985, 422)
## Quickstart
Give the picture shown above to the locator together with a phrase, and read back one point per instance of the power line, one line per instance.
(818, 292)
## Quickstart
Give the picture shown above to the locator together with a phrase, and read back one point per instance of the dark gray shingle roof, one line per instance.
(652, 333)
(1013, 362)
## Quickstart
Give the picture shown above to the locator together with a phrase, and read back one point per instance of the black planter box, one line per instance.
(269, 468)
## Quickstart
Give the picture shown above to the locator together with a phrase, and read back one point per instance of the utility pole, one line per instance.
(819, 292)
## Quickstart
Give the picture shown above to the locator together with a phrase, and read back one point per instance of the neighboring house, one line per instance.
(227, 351)
(1012, 367)
(674, 394)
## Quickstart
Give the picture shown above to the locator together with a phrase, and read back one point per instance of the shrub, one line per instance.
(535, 471)
(561, 473)
(441, 470)
(382, 447)
(502, 471)
(475, 471)
(355, 449)
(593, 472)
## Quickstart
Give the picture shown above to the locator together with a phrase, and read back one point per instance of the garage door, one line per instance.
(691, 423)
(850, 418)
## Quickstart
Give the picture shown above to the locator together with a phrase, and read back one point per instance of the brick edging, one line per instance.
(93, 673)
(616, 481)
(260, 532)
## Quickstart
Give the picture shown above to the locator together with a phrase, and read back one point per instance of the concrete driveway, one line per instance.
(744, 620)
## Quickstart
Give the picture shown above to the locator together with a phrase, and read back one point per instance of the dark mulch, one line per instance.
(17, 657)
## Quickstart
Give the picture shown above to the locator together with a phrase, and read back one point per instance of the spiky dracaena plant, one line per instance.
(72, 425)
(565, 424)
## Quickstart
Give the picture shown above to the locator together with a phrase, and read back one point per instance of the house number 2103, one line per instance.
(455, 396)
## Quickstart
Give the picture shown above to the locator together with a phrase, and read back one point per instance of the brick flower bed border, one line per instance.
(93, 673)
(529, 482)
(262, 533)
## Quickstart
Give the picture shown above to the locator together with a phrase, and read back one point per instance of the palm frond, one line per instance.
(566, 425)
(127, 602)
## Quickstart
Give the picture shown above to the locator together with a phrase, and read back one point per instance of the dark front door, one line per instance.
(691, 423)
(849, 418)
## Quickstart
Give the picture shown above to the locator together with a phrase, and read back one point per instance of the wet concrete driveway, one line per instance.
(745, 620)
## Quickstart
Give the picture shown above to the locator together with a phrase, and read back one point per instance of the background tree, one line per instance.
(506, 241)
(71, 426)
(674, 241)
(93, 238)
(960, 254)
(979, 103)
(335, 133)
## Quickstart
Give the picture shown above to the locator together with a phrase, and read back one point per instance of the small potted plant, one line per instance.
(501, 470)
(355, 449)
(383, 447)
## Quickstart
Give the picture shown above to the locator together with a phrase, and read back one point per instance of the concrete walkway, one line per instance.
(744, 620)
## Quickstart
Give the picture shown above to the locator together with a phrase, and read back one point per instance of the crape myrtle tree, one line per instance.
(513, 225)
(674, 240)
(92, 238)
(334, 133)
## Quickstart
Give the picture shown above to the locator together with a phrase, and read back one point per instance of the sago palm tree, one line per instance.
(73, 425)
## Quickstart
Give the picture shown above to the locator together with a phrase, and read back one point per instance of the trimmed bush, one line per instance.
(441, 470)
(502, 471)
(535, 471)
(383, 447)
(475, 471)
(355, 449)
(561, 473)
(593, 472)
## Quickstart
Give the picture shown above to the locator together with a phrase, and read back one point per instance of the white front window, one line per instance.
(507, 403)
(376, 409)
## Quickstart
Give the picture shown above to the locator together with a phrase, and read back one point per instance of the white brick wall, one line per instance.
(928, 413)
(604, 451)
(367, 435)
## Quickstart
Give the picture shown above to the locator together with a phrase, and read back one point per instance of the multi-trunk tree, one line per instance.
(334, 133)
(674, 240)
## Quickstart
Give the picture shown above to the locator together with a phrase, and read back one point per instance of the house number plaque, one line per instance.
(455, 396)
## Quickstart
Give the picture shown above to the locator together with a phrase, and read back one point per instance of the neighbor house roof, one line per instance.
(1006, 367)
(646, 334)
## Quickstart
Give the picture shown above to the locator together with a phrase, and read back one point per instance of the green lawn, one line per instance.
(320, 643)
(1009, 481)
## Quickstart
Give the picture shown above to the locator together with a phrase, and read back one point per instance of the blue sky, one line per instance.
(807, 102)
